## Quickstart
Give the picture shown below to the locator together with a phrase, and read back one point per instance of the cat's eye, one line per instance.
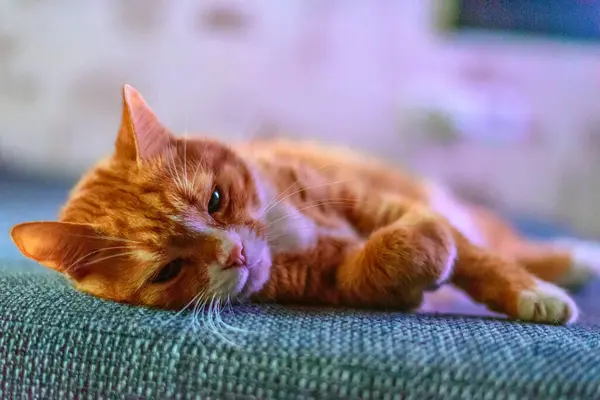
(169, 272)
(214, 204)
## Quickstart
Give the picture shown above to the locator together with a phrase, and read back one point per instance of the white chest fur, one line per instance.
(444, 203)
(289, 230)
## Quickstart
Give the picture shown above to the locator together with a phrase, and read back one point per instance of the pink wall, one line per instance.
(521, 116)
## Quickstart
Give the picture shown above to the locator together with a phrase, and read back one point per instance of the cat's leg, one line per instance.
(506, 286)
(402, 239)
(568, 263)
(399, 262)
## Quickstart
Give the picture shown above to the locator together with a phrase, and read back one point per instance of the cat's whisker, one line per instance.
(210, 321)
(75, 263)
(318, 204)
(302, 190)
(226, 325)
(127, 253)
(189, 188)
(199, 305)
(272, 238)
(275, 198)
(195, 324)
(167, 161)
(110, 238)
(283, 193)
(194, 300)
(195, 178)
(176, 177)
(185, 139)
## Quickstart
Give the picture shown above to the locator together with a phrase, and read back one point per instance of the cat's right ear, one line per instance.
(69, 248)
(141, 135)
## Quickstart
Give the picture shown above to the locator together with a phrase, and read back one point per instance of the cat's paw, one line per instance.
(547, 303)
(585, 264)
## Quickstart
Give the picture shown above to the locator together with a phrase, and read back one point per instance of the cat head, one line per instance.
(162, 222)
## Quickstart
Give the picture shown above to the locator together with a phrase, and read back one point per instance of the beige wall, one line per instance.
(358, 73)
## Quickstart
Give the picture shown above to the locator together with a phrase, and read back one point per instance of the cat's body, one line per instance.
(165, 222)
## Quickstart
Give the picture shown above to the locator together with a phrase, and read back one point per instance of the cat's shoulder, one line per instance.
(310, 151)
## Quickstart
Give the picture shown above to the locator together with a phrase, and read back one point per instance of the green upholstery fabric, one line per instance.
(59, 344)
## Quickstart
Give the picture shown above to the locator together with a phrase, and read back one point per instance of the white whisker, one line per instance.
(210, 321)
(115, 239)
(187, 188)
(177, 177)
(319, 204)
(282, 193)
(194, 300)
(70, 267)
(128, 253)
(302, 190)
(226, 325)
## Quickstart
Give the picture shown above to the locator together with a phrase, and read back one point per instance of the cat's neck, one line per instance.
(288, 230)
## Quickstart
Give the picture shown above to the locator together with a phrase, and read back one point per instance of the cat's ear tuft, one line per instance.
(69, 248)
(141, 135)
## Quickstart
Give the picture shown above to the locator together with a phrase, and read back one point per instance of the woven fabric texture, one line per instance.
(59, 344)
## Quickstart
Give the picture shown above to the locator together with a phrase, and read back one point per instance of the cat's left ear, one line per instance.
(141, 135)
(72, 249)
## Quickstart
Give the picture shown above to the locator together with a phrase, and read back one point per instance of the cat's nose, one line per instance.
(237, 257)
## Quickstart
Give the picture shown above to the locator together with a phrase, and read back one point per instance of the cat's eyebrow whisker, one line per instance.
(127, 253)
(275, 198)
(91, 253)
(170, 164)
(110, 238)
(176, 177)
(282, 193)
(188, 188)
(318, 204)
(198, 165)
(302, 190)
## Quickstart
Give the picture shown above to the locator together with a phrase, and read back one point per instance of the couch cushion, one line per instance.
(57, 343)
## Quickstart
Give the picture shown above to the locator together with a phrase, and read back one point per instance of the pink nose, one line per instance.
(237, 257)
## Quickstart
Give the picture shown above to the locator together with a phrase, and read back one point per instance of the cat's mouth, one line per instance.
(243, 266)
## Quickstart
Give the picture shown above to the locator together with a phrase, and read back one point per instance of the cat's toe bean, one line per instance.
(547, 303)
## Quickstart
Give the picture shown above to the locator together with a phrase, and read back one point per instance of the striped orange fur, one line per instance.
(165, 221)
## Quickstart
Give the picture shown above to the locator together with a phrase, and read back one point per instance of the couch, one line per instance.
(56, 343)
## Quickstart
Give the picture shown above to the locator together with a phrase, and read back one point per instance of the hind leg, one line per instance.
(567, 262)
(506, 286)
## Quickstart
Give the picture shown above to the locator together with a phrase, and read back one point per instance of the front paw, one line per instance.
(546, 303)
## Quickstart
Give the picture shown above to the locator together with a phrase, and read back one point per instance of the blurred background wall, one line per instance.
(511, 120)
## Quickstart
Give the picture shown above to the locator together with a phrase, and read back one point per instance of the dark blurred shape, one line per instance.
(9, 45)
(567, 19)
(140, 16)
(223, 18)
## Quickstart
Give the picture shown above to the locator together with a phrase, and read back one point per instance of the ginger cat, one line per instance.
(167, 221)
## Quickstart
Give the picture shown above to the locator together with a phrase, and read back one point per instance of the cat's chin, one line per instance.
(257, 275)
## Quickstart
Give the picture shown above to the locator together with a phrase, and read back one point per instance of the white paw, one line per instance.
(547, 303)
(586, 261)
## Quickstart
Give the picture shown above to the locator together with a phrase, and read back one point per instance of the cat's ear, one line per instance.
(69, 248)
(141, 135)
